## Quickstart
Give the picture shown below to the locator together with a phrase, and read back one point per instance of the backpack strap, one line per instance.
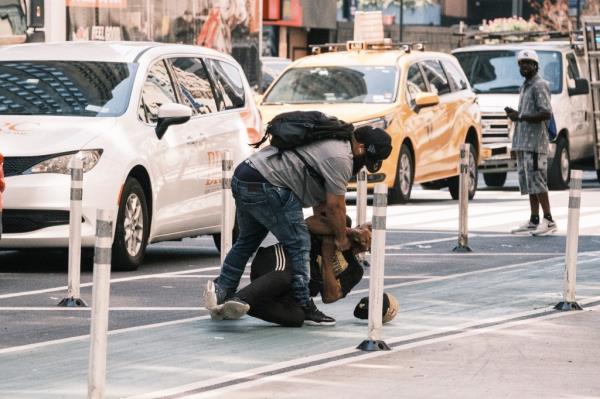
(311, 171)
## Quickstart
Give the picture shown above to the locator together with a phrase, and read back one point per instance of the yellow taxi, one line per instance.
(421, 98)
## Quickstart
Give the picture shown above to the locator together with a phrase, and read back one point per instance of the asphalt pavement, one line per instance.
(470, 325)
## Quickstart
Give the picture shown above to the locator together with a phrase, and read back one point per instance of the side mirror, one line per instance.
(426, 100)
(582, 86)
(171, 114)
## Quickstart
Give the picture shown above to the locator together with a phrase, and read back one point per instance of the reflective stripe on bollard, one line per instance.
(375, 342)
(568, 302)
(100, 297)
(74, 277)
(463, 201)
(361, 201)
(227, 202)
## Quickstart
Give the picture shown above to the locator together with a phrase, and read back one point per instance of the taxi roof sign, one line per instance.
(368, 26)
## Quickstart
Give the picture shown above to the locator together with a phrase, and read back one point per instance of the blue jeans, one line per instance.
(260, 208)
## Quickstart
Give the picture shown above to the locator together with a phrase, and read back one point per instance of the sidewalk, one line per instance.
(557, 357)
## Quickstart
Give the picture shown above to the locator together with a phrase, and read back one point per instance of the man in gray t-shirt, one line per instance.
(530, 143)
(270, 189)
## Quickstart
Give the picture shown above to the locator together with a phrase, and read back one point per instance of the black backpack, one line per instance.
(290, 130)
(294, 129)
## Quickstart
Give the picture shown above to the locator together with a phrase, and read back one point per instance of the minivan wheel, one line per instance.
(400, 193)
(494, 179)
(132, 229)
(453, 182)
(559, 172)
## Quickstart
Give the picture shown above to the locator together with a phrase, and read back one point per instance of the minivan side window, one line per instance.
(415, 83)
(436, 76)
(158, 90)
(229, 84)
(573, 70)
(194, 84)
(457, 79)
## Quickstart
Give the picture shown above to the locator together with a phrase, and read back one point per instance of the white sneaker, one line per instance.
(210, 296)
(526, 227)
(232, 309)
(546, 227)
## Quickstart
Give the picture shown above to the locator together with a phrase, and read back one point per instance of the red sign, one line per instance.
(97, 3)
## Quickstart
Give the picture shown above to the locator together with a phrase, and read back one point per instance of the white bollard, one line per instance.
(361, 202)
(100, 295)
(375, 342)
(361, 196)
(463, 200)
(227, 201)
(74, 277)
(568, 302)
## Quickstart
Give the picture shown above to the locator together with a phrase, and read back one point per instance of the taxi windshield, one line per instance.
(497, 71)
(335, 84)
(65, 88)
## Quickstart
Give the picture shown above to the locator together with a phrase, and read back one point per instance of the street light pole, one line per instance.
(401, 22)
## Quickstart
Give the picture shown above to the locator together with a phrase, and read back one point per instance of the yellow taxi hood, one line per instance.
(348, 112)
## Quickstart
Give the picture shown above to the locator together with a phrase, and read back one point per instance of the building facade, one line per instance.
(231, 26)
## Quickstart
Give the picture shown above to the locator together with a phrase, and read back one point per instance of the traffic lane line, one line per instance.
(115, 280)
(351, 293)
(280, 371)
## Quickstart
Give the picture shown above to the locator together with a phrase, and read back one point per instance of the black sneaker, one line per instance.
(314, 317)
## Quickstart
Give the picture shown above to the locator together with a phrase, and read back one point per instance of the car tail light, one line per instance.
(252, 120)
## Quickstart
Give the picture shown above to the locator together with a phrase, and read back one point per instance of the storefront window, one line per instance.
(230, 26)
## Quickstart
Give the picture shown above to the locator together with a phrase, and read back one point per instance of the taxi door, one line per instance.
(176, 158)
(444, 147)
(213, 135)
(418, 124)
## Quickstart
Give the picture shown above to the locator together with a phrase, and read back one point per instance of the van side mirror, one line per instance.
(582, 86)
(426, 99)
(171, 114)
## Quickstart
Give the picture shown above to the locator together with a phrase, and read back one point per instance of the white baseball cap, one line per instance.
(528, 54)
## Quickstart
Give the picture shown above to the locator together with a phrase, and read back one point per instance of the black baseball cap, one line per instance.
(378, 145)
(390, 308)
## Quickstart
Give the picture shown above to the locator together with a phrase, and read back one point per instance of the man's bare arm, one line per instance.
(335, 214)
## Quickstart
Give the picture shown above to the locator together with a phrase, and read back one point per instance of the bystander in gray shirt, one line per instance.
(332, 159)
(529, 136)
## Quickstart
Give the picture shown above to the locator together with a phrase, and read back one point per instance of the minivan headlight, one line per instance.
(381, 122)
(60, 164)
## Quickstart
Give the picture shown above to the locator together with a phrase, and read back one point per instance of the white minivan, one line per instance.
(493, 72)
(151, 123)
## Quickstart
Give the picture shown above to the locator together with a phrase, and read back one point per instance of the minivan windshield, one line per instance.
(65, 88)
(335, 84)
(497, 71)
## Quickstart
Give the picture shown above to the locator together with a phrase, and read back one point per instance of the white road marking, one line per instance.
(114, 280)
(29, 347)
(113, 309)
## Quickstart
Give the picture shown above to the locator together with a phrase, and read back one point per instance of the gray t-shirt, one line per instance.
(529, 136)
(331, 158)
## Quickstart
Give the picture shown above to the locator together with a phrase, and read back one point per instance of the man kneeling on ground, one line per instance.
(269, 296)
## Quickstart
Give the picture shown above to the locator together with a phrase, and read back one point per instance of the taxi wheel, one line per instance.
(132, 229)
(453, 182)
(400, 193)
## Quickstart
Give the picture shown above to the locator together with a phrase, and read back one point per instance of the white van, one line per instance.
(494, 75)
(151, 123)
